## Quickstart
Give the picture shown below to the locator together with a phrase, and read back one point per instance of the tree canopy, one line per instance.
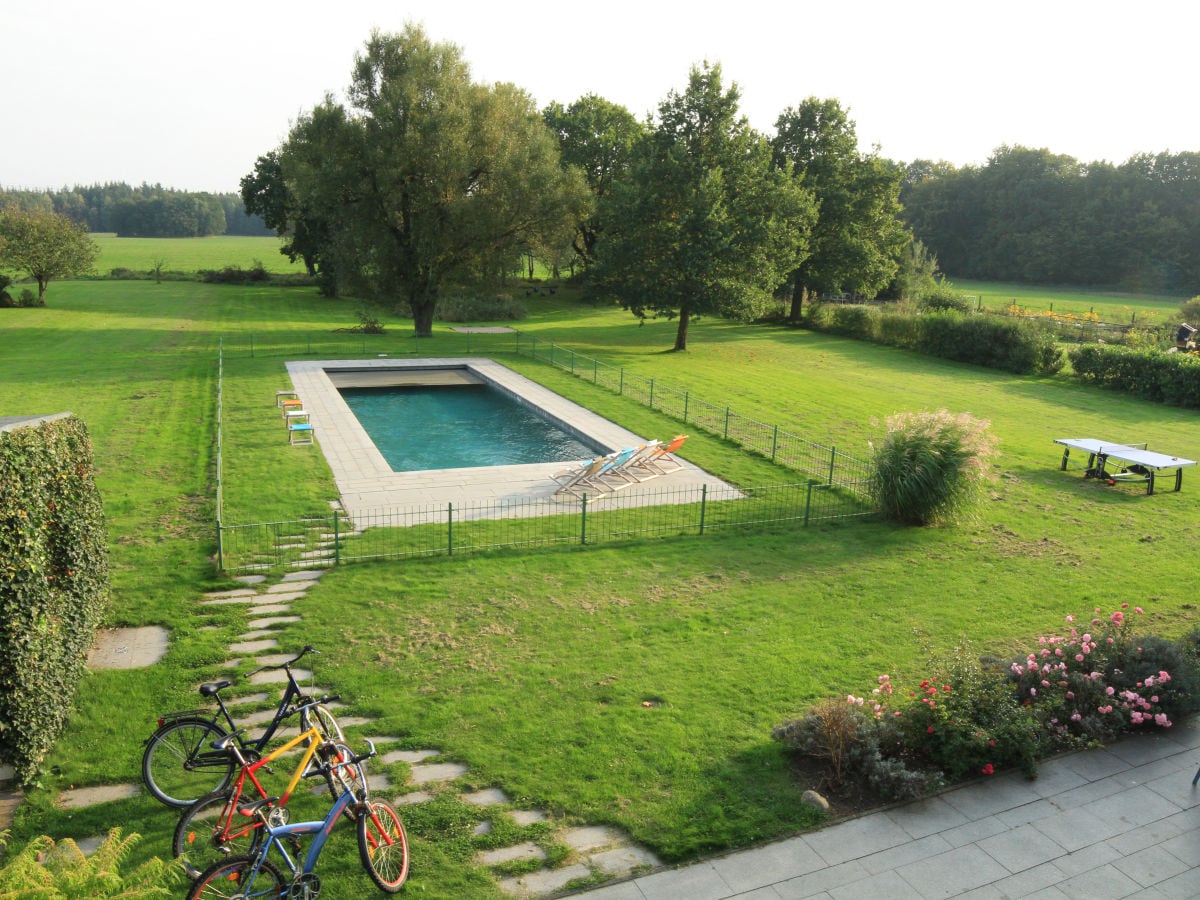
(703, 224)
(45, 245)
(424, 176)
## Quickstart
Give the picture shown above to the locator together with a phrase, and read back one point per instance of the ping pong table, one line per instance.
(1112, 462)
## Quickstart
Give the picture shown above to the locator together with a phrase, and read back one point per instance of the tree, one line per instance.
(858, 237)
(45, 245)
(599, 137)
(426, 176)
(702, 224)
(265, 193)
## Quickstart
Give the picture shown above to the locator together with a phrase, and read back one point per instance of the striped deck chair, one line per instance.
(660, 461)
(568, 479)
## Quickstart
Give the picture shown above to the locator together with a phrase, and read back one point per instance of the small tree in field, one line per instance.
(931, 467)
(45, 245)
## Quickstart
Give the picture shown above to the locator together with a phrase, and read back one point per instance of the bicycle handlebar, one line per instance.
(308, 648)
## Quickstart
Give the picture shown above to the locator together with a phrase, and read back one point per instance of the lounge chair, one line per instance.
(569, 478)
(660, 460)
(610, 477)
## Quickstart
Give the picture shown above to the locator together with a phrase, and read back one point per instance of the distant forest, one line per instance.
(147, 211)
(1036, 217)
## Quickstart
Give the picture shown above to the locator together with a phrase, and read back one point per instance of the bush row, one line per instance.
(996, 342)
(1172, 378)
(53, 582)
(968, 716)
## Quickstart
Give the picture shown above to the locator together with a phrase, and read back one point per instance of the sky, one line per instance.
(189, 95)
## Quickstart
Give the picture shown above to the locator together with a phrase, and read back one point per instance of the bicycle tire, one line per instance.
(324, 721)
(341, 774)
(225, 880)
(208, 832)
(170, 769)
(386, 860)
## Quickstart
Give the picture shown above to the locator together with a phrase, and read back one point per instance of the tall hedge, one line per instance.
(53, 582)
(1172, 378)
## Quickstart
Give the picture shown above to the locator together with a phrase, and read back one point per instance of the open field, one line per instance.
(190, 254)
(1114, 308)
(628, 685)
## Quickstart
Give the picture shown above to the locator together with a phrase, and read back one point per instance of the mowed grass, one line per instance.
(1146, 309)
(632, 685)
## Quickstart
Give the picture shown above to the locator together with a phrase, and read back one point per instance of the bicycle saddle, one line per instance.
(210, 689)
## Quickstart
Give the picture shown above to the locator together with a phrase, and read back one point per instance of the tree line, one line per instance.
(423, 178)
(1029, 215)
(149, 210)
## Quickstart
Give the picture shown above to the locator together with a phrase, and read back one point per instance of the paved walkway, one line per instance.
(1113, 823)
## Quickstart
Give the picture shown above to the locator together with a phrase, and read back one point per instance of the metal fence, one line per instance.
(447, 530)
(810, 459)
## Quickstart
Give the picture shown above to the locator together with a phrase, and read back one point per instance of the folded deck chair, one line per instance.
(660, 461)
(569, 478)
(610, 476)
(634, 470)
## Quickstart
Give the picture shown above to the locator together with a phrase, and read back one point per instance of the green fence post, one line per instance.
(583, 519)
(337, 542)
(652, 393)
(220, 549)
(572, 362)
(252, 346)
(685, 407)
(621, 383)
(808, 502)
(449, 529)
(832, 460)
(595, 371)
(726, 423)
(703, 505)
(774, 442)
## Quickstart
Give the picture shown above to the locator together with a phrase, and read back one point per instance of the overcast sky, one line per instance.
(190, 94)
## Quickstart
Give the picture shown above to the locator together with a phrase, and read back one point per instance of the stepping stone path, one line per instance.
(592, 850)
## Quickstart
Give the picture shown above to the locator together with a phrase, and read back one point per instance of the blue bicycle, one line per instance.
(382, 846)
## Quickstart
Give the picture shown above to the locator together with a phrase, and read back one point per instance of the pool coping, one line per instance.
(368, 487)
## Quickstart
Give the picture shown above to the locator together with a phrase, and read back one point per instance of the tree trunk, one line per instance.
(423, 317)
(798, 294)
(681, 332)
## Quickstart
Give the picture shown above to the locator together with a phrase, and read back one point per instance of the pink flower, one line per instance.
(1138, 610)
(1136, 717)
(1118, 617)
(1087, 638)
(1124, 606)
(1070, 618)
(929, 730)
(1033, 692)
(1070, 695)
(988, 769)
(1161, 719)
(1078, 657)
(1154, 699)
(1110, 690)
(1075, 717)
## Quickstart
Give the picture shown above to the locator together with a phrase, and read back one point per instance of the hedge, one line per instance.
(53, 582)
(1172, 378)
(996, 342)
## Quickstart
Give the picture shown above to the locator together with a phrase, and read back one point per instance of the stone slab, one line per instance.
(90, 796)
(304, 575)
(486, 797)
(543, 881)
(528, 850)
(408, 756)
(431, 772)
(272, 621)
(128, 648)
(253, 646)
(624, 860)
(593, 837)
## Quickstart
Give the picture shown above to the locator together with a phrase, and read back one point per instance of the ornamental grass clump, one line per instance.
(932, 468)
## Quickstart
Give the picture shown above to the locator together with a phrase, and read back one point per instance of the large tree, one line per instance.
(702, 224)
(45, 245)
(859, 237)
(426, 176)
(599, 137)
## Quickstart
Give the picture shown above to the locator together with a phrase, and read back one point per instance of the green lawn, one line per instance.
(1112, 307)
(633, 685)
(190, 254)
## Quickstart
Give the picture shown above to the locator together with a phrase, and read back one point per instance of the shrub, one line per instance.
(59, 871)
(1190, 311)
(235, 275)
(368, 321)
(931, 468)
(859, 322)
(28, 299)
(941, 297)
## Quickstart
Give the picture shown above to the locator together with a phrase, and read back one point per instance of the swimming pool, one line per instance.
(422, 427)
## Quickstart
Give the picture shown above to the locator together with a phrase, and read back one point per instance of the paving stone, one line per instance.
(251, 579)
(268, 599)
(247, 699)
(231, 663)
(528, 850)
(271, 609)
(426, 773)
(236, 592)
(379, 781)
(543, 881)
(89, 796)
(272, 621)
(297, 586)
(253, 646)
(624, 860)
(353, 721)
(277, 676)
(256, 635)
(413, 797)
(89, 845)
(273, 659)
(592, 838)
(258, 718)
(408, 756)
(231, 601)
(9, 801)
(486, 797)
(128, 648)
(525, 817)
(303, 575)
(484, 827)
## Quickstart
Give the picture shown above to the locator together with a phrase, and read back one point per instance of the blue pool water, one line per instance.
(458, 426)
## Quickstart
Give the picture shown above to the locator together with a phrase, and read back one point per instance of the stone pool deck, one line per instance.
(369, 487)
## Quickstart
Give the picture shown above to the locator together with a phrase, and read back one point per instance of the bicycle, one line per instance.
(176, 767)
(382, 846)
(199, 841)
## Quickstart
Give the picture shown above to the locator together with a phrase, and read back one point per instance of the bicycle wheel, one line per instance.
(341, 774)
(211, 830)
(180, 766)
(383, 846)
(323, 720)
(229, 879)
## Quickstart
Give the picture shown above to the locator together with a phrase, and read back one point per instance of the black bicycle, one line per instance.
(179, 765)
